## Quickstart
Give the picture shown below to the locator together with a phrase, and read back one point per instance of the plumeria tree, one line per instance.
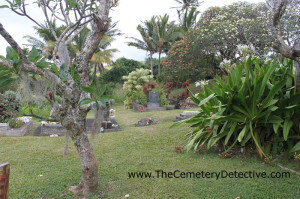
(219, 33)
(223, 29)
(285, 28)
(72, 81)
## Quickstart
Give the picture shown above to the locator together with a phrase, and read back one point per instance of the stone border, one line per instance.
(6, 131)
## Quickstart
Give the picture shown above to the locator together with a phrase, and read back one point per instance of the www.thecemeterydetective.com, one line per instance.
(208, 174)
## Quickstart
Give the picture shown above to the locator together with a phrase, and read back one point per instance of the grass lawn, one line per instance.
(39, 171)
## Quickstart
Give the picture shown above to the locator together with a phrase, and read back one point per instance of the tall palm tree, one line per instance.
(188, 20)
(185, 4)
(148, 33)
(102, 55)
(47, 42)
(165, 34)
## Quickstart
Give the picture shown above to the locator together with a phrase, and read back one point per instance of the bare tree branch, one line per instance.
(23, 13)
(40, 117)
(43, 5)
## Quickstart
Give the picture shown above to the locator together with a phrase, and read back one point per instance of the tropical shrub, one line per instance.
(185, 61)
(9, 106)
(135, 81)
(139, 97)
(257, 106)
(162, 95)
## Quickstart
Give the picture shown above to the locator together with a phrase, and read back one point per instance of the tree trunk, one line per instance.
(151, 63)
(89, 165)
(74, 121)
(159, 63)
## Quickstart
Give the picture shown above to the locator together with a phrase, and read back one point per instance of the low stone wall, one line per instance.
(6, 131)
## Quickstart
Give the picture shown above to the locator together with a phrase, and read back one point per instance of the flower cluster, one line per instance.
(185, 84)
(245, 49)
(201, 83)
(43, 123)
(24, 119)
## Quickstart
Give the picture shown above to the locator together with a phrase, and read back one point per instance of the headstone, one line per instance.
(153, 100)
(106, 115)
(177, 103)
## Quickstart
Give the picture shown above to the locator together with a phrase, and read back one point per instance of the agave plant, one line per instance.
(257, 103)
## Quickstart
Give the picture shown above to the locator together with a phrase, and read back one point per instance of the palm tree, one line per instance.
(189, 19)
(148, 33)
(185, 4)
(165, 34)
(46, 45)
(102, 54)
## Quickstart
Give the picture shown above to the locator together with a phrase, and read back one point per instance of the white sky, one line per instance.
(129, 13)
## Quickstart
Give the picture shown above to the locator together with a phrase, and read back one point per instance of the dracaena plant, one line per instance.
(256, 104)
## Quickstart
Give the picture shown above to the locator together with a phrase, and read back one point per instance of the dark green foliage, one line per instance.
(256, 105)
(9, 76)
(122, 67)
(162, 99)
(9, 106)
(114, 75)
(139, 97)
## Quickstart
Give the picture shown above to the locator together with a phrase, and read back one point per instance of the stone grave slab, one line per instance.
(145, 122)
(185, 115)
(51, 129)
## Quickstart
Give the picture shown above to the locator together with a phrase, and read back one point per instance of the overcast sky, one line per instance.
(129, 13)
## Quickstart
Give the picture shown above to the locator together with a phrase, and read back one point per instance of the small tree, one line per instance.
(76, 15)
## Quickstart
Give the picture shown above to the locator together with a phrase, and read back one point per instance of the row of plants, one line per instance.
(257, 105)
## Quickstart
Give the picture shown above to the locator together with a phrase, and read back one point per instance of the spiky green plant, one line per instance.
(257, 104)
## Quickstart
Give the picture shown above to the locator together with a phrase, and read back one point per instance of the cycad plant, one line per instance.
(256, 105)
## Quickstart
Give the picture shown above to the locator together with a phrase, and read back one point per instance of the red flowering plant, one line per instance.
(169, 88)
(184, 95)
(185, 84)
(148, 87)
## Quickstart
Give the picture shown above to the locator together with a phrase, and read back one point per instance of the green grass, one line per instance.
(135, 149)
